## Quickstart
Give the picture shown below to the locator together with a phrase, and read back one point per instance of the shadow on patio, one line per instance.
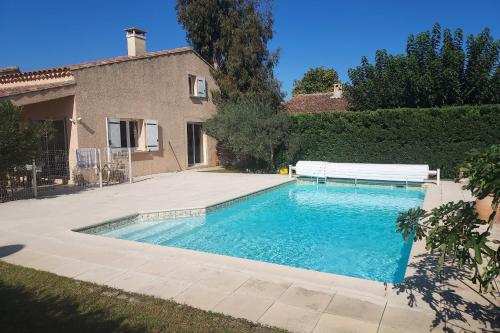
(454, 299)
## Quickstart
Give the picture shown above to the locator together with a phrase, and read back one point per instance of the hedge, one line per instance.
(439, 137)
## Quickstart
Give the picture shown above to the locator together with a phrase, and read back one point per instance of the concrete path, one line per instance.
(299, 300)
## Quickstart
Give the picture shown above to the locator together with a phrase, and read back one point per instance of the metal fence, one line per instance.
(61, 171)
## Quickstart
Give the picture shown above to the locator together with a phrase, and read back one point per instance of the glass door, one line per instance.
(195, 143)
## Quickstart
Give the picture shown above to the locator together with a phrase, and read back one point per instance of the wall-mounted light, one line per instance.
(75, 121)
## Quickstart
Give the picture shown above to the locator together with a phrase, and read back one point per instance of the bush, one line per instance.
(438, 137)
(250, 132)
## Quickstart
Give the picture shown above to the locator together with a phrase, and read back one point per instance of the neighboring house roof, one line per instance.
(15, 82)
(313, 103)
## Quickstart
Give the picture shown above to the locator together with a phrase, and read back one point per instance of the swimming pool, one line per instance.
(337, 229)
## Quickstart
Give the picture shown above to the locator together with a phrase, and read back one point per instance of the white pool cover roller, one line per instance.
(362, 171)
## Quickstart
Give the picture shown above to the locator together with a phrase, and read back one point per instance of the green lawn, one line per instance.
(35, 301)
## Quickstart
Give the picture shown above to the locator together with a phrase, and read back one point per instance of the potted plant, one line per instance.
(482, 174)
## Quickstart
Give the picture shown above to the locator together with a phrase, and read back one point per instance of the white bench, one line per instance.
(417, 173)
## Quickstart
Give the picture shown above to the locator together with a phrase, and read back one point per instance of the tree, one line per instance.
(316, 80)
(454, 229)
(253, 128)
(436, 71)
(233, 35)
(19, 144)
(482, 63)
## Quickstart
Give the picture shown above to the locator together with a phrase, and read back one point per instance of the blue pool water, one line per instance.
(343, 230)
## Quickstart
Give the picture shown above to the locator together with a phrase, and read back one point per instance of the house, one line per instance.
(319, 102)
(154, 103)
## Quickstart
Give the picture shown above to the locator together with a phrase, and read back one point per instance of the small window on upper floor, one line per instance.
(197, 86)
(192, 85)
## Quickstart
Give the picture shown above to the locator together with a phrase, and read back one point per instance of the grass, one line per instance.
(36, 301)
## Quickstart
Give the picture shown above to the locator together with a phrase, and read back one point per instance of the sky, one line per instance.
(40, 34)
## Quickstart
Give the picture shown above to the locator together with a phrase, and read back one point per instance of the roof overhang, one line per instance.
(37, 93)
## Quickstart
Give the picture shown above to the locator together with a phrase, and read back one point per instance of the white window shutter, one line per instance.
(202, 86)
(113, 130)
(152, 142)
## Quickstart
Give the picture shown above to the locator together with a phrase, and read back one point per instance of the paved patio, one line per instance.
(295, 299)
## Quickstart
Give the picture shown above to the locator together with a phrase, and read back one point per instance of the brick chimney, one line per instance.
(136, 42)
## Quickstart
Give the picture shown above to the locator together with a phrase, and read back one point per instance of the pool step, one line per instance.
(146, 230)
(170, 233)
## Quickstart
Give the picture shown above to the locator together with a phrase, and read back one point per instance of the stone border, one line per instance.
(148, 216)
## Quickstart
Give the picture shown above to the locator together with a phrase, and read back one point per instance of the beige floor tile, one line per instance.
(227, 281)
(48, 263)
(131, 281)
(397, 320)
(74, 268)
(23, 257)
(191, 273)
(263, 288)
(128, 263)
(355, 308)
(290, 317)
(166, 289)
(329, 323)
(302, 297)
(201, 297)
(157, 267)
(247, 306)
(100, 275)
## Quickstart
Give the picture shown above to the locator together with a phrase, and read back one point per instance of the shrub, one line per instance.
(438, 137)
(250, 132)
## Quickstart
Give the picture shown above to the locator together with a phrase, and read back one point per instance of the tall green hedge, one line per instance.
(439, 137)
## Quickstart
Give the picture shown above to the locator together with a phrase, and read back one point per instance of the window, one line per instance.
(192, 85)
(128, 133)
(197, 86)
(138, 134)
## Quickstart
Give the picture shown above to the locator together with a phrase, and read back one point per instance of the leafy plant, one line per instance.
(436, 136)
(482, 170)
(253, 127)
(18, 141)
(454, 230)
(316, 80)
(437, 70)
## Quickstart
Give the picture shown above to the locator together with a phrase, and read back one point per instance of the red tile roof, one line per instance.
(313, 103)
(12, 91)
(9, 70)
(45, 74)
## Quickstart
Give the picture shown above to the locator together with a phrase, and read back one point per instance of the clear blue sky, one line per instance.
(47, 33)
